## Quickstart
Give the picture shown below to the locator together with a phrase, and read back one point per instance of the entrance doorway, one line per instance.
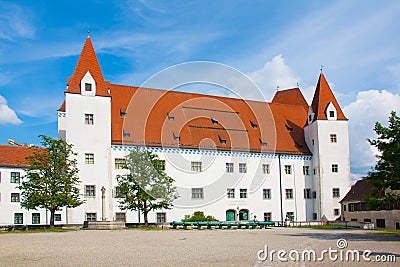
(243, 215)
(230, 215)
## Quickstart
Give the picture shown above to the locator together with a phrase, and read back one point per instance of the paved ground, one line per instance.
(188, 247)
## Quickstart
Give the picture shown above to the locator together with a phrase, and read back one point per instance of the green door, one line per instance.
(230, 215)
(243, 215)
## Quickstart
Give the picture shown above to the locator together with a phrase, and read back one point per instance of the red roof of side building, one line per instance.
(358, 192)
(322, 97)
(15, 156)
(290, 97)
(87, 62)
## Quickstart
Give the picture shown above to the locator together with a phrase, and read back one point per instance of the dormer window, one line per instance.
(122, 112)
(88, 87)
(214, 121)
(263, 143)
(222, 140)
(254, 125)
(289, 128)
(332, 114)
(176, 137)
(170, 117)
(127, 135)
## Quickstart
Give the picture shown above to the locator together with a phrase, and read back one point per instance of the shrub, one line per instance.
(199, 216)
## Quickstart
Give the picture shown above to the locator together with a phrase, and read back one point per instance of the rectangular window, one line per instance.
(90, 190)
(162, 164)
(15, 178)
(117, 192)
(89, 119)
(267, 216)
(314, 216)
(267, 193)
(14, 197)
(229, 167)
(288, 169)
(314, 194)
(91, 216)
(289, 193)
(265, 169)
(290, 215)
(197, 193)
(89, 158)
(307, 193)
(196, 166)
(88, 87)
(231, 192)
(120, 216)
(242, 168)
(18, 218)
(306, 170)
(315, 171)
(57, 217)
(333, 138)
(120, 164)
(336, 212)
(351, 207)
(380, 223)
(344, 207)
(243, 193)
(35, 218)
(335, 192)
(331, 114)
(161, 217)
(335, 168)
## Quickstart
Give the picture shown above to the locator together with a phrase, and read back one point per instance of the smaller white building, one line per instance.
(12, 164)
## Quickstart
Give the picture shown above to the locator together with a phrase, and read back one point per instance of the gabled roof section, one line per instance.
(62, 107)
(358, 192)
(15, 156)
(290, 97)
(87, 62)
(322, 97)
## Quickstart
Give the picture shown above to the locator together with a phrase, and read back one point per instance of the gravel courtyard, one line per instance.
(188, 247)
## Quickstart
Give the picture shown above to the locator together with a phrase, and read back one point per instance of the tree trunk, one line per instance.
(145, 212)
(52, 218)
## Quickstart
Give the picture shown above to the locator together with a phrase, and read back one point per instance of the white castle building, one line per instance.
(231, 158)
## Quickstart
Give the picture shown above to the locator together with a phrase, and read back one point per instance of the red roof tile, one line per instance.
(15, 156)
(87, 62)
(290, 97)
(322, 97)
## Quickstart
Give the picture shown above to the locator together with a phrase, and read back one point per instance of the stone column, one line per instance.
(103, 203)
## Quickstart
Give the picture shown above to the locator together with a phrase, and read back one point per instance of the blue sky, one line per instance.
(276, 43)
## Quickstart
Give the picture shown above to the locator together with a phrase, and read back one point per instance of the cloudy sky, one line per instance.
(276, 43)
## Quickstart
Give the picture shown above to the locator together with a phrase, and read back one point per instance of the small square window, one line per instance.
(196, 166)
(335, 168)
(290, 216)
(170, 117)
(242, 168)
(120, 163)
(306, 170)
(314, 194)
(176, 137)
(229, 167)
(89, 119)
(57, 217)
(307, 193)
(117, 192)
(331, 114)
(222, 140)
(15, 178)
(161, 217)
(127, 135)
(265, 169)
(15, 197)
(89, 158)
(91, 216)
(243, 193)
(315, 171)
(35, 218)
(333, 138)
(231, 193)
(120, 216)
(289, 193)
(267, 216)
(214, 121)
(267, 193)
(88, 87)
(336, 192)
(315, 216)
(336, 212)
(288, 169)
(253, 125)
(90, 190)
(18, 218)
(197, 193)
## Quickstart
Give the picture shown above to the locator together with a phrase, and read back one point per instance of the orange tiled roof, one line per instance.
(15, 156)
(62, 107)
(203, 121)
(290, 97)
(322, 97)
(87, 62)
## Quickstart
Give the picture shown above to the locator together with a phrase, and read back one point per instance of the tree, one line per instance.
(147, 187)
(50, 181)
(198, 216)
(385, 177)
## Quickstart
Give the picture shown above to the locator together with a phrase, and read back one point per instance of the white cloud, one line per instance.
(7, 115)
(16, 22)
(369, 107)
(274, 73)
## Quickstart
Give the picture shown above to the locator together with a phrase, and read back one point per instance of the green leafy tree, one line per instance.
(147, 187)
(50, 181)
(385, 177)
(198, 216)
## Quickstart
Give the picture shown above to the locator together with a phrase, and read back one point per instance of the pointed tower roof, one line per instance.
(322, 97)
(87, 62)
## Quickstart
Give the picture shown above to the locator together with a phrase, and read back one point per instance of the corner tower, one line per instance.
(326, 134)
(86, 124)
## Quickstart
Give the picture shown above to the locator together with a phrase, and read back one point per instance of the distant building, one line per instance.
(355, 209)
(12, 164)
